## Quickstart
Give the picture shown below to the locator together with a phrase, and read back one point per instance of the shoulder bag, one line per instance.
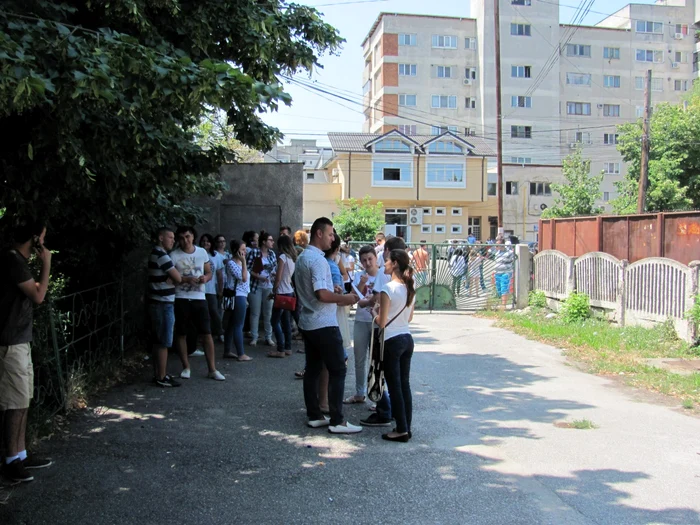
(285, 302)
(375, 378)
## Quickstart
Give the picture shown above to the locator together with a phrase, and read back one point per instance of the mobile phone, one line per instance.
(348, 287)
(36, 244)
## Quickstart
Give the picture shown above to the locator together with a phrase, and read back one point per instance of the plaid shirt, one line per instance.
(253, 254)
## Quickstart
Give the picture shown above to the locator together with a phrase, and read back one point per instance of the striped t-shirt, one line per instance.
(160, 289)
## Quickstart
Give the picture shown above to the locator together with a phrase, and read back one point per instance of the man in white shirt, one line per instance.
(319, 324)
(192, 262)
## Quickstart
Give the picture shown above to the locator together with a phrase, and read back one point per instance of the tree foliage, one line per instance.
(674, 158)
(101, 100)
(214, 131)
(577, 197)
(360, 220)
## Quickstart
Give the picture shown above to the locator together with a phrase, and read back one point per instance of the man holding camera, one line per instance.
(19, 292)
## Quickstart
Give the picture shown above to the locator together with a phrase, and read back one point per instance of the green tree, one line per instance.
(674, 158)
(101, 101)
(213, 131)
(577, 197)
(360, 220)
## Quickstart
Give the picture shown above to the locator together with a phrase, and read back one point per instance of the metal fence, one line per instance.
(79, 334)
(458, 276)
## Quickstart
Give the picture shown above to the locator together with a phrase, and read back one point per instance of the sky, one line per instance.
(312, 116)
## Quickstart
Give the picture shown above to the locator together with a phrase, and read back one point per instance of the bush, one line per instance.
(576, 308)
(693, 315)
(537, 299)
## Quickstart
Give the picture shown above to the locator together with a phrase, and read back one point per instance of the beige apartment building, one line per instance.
(563, 86)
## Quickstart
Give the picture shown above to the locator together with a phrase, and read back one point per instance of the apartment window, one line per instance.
(443, 175)
(520, 2)
(445, 41)
(469, 132)
(407, 129)
(643, 26)
(682, 29)
(474, 227)
(520, 71)
(649, 55)
(427, 211)
(696, 62)
(581, 137)
(392, 174)
(521, 160)
(611, 168)
(445, 71)
(453, 129)
(492, 184)
(426, 228)
(470, 102)
(611, 81)
(439, 228)
(521, 132)
(511, 188)
(681, 57)
(470, 73)
(520, 102)
(310, 176)
(657, 84)
(540, 189)
(680, 85)
(441, 211)
(610, 139)
(456, 228)
(439, 130)
(407, 39)
(578, 79)
(407, 70)
(456, 212)
(443, 101)
(578, 50)
(520, 29)
(407, 100)
(606, 196)
(639, 111)
(578, 108)
(612, 53)
(469, 43)
(611, 110)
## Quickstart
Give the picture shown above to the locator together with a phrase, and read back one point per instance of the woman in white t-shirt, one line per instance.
(281, 318)
(396, 302)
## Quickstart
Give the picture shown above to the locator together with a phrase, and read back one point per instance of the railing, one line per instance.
(599, 275)
(552, 273)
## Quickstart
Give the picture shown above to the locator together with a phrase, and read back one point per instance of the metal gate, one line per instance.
(453, 276)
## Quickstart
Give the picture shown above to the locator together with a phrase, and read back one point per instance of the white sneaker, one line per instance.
(345, 428)
(253, 342)
(221, 338)
(270, 342)
(197, 353)
(318, 423)
(185, 374)
(216, 375)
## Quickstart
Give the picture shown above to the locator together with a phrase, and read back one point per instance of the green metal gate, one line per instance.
(460, 276)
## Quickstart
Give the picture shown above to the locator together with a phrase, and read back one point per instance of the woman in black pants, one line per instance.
(396, 302)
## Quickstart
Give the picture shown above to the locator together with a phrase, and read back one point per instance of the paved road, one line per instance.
(485, 449)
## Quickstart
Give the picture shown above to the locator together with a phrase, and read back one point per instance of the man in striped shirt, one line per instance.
(162, 277)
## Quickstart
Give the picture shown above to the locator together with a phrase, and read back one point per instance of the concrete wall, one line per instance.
(259, 196)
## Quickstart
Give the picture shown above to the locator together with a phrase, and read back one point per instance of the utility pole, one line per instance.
(499, 114)
(644, 171)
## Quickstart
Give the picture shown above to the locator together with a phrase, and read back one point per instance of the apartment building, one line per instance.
(306, 152)
(563, 86)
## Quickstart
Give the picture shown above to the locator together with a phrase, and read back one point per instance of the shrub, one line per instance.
(537, 299)
(693, 315)
(576, 308)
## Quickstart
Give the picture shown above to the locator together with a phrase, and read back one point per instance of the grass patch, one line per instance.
(578, 424)
(688, 404)
(610, 350)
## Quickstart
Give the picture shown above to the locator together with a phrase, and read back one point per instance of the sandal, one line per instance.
(245, 358)
(300, 375)
(278, 355)
(354, 400)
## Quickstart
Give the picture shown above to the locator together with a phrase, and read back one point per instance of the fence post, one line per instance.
(622, 292)
(57, 355)
(570, 276)
(433, 276)
(522, 280)
(695, 285)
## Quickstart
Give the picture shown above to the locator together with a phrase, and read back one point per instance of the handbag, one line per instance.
(285, 302)
(376, 383)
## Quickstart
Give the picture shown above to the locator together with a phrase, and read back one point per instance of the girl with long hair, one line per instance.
(214, 287)
(236, 302)
(262, 264)
(396, 303)
(281, 318)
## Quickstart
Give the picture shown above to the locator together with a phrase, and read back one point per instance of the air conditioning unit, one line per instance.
(537, 208)
(678, 36)
(415, 216)
(600, 106)
(467, 81)
(573, 145)
(675, 65)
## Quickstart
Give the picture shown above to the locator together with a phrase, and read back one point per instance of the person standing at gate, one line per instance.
(319, 324)
(18, 293)
(190, 302)
(421, 260)
(504, 257)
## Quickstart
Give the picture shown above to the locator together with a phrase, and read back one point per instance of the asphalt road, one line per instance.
(485, 448)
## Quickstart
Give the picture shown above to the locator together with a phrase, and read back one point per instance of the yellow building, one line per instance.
(433, 187)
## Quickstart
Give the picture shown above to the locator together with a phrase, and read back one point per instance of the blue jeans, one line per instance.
(260, 304)
(233, 330)
(398, 352)
(162, 323)
(282, 326)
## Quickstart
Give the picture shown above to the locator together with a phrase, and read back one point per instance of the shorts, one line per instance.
(16, 376)
(195, 311)
(502, 284)
(162, 323)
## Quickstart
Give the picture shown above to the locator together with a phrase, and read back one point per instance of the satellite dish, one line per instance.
(543, 207)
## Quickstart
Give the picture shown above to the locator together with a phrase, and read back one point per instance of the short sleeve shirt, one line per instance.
(398, 310)
(159, 289)
(16, 309)
(217, 263)
(312, 273)
(190, 265)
